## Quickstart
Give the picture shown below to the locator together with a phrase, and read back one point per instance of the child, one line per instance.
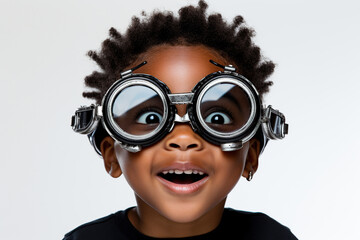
(182, 125)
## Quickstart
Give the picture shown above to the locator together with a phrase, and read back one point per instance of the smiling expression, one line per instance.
(181, 178)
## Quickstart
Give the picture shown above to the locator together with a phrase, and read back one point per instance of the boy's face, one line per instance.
(181, 198)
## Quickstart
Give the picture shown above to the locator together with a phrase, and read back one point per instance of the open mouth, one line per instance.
(182, 177)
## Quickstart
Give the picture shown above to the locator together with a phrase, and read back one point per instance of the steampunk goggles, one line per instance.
(138, 110)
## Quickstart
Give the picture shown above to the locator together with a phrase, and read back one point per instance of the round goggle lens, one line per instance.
(225, 107)
(138, 110)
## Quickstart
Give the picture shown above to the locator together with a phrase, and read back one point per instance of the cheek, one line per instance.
(122, 157)
(129, 163)
(136, 167)
(230, 166)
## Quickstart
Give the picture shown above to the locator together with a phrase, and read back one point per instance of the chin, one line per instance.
(183, 213)
(182, 218)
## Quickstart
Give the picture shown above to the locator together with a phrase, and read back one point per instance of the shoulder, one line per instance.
(256, 225)
(102, 228)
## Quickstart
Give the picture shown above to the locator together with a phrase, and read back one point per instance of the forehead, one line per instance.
(180, 67)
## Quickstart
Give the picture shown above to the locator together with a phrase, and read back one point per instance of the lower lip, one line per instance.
(183, 188)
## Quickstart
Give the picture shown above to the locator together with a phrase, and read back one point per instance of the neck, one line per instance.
(151, 223)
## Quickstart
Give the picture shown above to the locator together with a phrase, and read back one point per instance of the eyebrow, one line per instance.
(231, 97)
(228, 95)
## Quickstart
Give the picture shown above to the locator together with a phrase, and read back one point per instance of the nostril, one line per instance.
(192, 146)
(183, 147)
(174, 145)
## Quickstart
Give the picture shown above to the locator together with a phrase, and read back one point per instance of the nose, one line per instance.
(183, 138)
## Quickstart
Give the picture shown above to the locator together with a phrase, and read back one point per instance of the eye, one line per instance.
(150, 117)
(218, 118)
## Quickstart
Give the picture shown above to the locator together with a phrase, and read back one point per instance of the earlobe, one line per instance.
(110, 161)
(252, 159)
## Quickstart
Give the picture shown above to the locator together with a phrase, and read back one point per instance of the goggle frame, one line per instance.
(260, 117)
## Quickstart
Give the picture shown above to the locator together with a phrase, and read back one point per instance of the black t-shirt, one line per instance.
(234, 225)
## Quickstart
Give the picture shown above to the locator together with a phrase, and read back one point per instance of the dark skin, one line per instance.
(161, 212)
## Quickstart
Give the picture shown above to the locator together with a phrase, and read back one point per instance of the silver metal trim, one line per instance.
(98, 111)
(227, 147)
(252, 134)
(181, 98)
(130, 148)
(127, 72)
(252, 107)
(143, 82)
(182, 119)
(229, 68)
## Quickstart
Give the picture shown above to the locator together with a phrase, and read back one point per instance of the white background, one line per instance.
(51, 180)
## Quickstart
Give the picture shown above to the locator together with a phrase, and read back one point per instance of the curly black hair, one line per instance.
(192, 27)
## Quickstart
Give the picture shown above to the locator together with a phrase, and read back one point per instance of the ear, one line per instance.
(252, 159)
(110, 161)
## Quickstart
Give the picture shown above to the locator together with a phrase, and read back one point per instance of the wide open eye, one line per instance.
(149, 117)
(218, 118)
(224, 107)
(138, 110)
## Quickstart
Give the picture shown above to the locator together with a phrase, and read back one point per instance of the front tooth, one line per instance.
(171, 171)
(201, 173)
(195, 172)
(179, 172)
(188, 172)
(165, 172)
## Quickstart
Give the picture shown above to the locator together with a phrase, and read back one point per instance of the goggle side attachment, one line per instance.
(85, 119)
(273, 124)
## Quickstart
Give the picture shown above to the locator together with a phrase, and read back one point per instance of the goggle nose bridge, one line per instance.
(183, 119)
(181, 98)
